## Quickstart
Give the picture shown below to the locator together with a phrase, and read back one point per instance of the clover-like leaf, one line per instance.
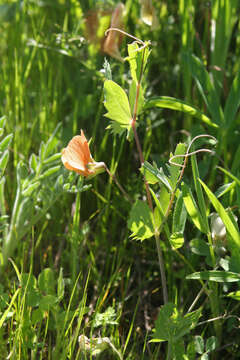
(117, 104)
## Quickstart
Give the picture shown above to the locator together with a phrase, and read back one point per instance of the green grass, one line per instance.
(70, 266)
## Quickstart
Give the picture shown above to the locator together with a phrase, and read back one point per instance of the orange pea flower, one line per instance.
(77, 157)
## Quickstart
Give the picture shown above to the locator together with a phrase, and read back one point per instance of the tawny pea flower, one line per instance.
(77, 157)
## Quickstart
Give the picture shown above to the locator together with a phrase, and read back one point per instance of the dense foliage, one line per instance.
(141, 261)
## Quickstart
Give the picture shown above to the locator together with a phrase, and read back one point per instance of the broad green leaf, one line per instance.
(132, 97)
(199, 344)
(141, 221)
(137, 57)
(46, 282)
(205, 87)
(117, 104)
(161, 210)
(199, 247)
(192, 208)
(171, 325)
(211, 343)
(176, 164)
(231, 228)
(47, 302)
(215, 275)
(154, 175)
(167, 102)
(178, 225)
(177, 240)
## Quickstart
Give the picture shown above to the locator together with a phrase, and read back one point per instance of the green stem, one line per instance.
(75, 237)
(10, 242)
(149, 199)
(118, 184)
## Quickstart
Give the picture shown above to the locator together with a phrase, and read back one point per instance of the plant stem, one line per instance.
(118, 184)
(149, 199)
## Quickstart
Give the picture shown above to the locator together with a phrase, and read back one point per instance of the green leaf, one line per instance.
(60, 285)
(141, 221)
(224, 189)
(199, 193)
(199, 247)
(154, 175)
(178, 225)
(51, 143)
(177, 240)
(205, 87)
(4, 144)
(137, 59)
(231, 228)
(132, 97)
(117, 105)
(24, 215)
(230, 175)
(161, 208)
(106, 318)
(4, 161)
(47, 302)
(46, 282)
(233, 101)
(29, 190)
(176, 165)
(171, 325)
(49, 172)
(211, 344)
(2, 121)
(192, 208)
(33, 163)
(199, 344)
(234, 295)
(167, 102)
(52, 158)
(215, 275)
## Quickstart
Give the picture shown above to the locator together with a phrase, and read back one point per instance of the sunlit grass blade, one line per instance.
(233, 102)
(178, 105)
(193, 209)
(205, 87)
(199, 192)
(215, 275)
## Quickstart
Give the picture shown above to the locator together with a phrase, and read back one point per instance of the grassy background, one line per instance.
(50, 74)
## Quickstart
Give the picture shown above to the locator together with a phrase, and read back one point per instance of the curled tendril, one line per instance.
(127, 34)
(185, 156)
